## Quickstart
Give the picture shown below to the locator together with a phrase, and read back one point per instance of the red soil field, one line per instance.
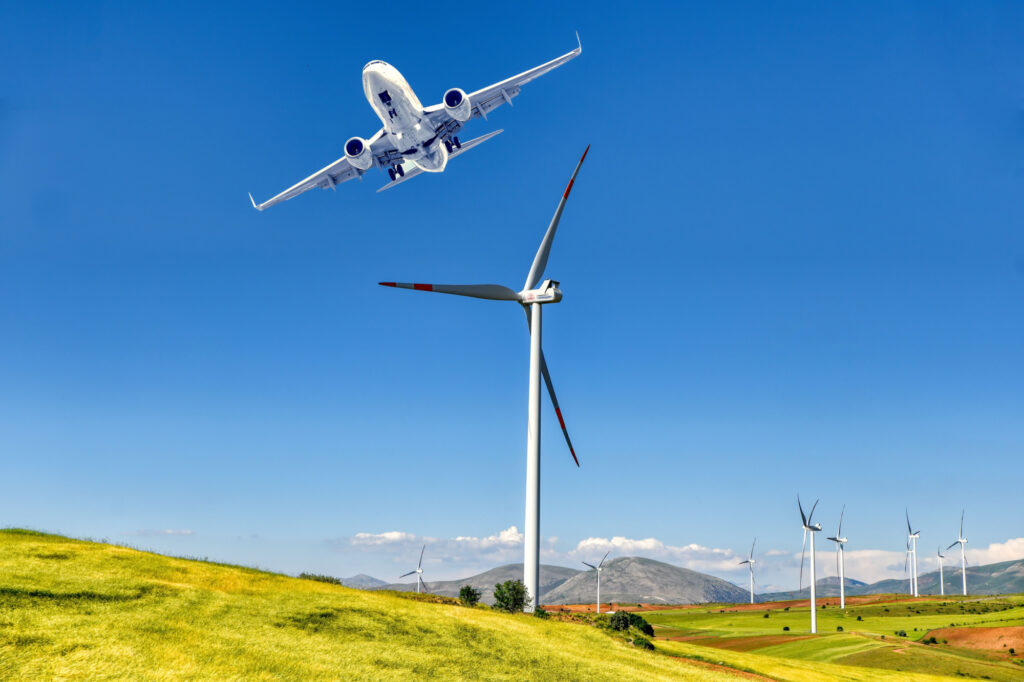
(999, 640)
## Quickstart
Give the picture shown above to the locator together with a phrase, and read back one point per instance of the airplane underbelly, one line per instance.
(433, 161)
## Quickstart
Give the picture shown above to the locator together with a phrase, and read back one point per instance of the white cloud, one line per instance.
(994, 553)
(375, 539)
(692, 556)
(149, 532)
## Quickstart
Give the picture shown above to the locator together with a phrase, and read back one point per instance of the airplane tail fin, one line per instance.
(466, 146)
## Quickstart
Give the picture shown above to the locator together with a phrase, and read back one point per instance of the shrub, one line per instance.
(839, 628)
(765, 614)
(320, 578)
(1012, 652)
(620, 620)
(640, 624)
(859, 618)
(511, 596)
(468, 595)
(643, 643)
(786, 609)
(785, 628)
(539, 612)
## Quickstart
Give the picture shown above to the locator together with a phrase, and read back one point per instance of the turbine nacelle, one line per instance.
(547, 292)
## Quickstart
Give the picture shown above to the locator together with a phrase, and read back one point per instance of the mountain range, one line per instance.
(1006, 577)
(550, 578)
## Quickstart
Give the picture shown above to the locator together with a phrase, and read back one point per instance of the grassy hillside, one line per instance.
(78, 609)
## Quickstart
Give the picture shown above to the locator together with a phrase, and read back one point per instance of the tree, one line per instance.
(511, 596)
(468, 595)
(620, 620)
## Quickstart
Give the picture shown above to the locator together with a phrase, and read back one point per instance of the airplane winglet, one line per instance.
(579, 44)
(254, 204)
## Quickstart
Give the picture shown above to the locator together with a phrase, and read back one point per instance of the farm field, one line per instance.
(973, 637)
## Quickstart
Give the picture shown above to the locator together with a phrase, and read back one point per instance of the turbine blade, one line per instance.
(810, 516)
(605, 557)
(591, 565)
(909, 531)
(752, 549)
(423, 584)
(744, 562)
(961, 523)
(540, 261)
(803, 517)
(803, 546)
(406, 574)
(839, 533)
(420, 564)
(953, 545)
(493, 292)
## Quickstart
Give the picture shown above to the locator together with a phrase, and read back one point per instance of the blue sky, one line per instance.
(793, 262)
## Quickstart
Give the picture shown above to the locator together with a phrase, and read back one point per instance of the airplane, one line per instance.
(414, 139)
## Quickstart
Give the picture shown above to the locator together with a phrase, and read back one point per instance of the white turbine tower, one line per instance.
(961, 540)
(750, 565)
(808, 528)
(598, 569)
(532, 297)
(912, 536)
(942, 585)
(419, 573)
(906, 572)
(841, 559)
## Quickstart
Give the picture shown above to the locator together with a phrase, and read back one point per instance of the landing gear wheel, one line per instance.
(401, 171)
(458, 145)
(449, 146)
(391, 174)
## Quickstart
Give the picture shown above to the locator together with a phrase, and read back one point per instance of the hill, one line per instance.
(1005, 577)
(363, 582)
(81, 610)
(635, 579)
(550, 578)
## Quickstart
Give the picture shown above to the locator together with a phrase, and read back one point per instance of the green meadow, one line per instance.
(890, 635)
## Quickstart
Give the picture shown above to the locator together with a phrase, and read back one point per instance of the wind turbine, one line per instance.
(750, 564)
(942, 585)
(418, 572)
(912, 536)
(961, 540)
(808, 528)
(533, 296)
(598, 569)
(841, 559)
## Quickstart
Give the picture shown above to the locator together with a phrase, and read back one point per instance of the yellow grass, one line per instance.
(75, 609)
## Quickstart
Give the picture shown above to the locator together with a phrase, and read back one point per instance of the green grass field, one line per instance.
(890, 635)
(74, 609)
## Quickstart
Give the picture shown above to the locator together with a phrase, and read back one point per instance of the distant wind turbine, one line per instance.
(418, 572)
(533, 296)
(598, 569)
(961, 540)
(812, 529)
(906, 571)
(942, 585)
(750, 564)
(841, 559)
(912, 536)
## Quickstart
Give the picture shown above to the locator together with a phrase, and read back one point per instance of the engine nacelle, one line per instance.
(358, 153)
(457, 105)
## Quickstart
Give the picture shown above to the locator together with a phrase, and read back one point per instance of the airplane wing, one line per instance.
(490, 98)
(332, 175)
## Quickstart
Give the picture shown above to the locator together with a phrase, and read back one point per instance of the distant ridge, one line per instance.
(363, 582)
(1006, 577)
(550, 578)
(635, 579)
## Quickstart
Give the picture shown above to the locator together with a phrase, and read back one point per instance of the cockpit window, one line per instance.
(385, 97)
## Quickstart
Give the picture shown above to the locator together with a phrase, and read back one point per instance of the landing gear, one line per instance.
(458, 145)
(400, 170)
(391, 173)
(449, 146)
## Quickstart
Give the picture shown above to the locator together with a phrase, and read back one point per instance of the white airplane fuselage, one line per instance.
(403, 117)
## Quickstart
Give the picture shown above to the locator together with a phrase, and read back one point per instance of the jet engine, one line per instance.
(456, 104)
(358, 153)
